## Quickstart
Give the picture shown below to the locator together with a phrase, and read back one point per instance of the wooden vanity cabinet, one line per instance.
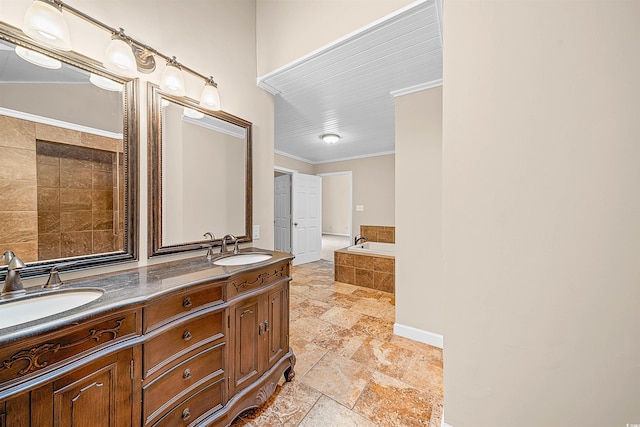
(197, 356)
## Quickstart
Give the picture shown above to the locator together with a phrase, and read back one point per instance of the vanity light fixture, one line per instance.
(172, 80)
(37, 58)
(210, 99)
(44, 22)
(119, 56)
(330, 138)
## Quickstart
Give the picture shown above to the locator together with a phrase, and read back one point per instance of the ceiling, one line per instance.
(348, 86)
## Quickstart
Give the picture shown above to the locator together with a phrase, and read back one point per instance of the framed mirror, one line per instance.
(200, 178)
(69, 150)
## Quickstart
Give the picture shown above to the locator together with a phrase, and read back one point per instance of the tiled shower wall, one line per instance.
(378, 233)
(59, 191)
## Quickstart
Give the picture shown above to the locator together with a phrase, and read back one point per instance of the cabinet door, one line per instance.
(96, 395)
(277, 324)
(245, 347)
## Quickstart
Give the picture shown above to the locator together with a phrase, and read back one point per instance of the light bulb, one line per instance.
(210, 99)
(172, 80)
(37, 58)
(44, 22)
(331, 138)
(119, 57)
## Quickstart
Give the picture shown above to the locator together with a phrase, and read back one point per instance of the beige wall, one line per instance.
(290, 29)
(230, 57)
(373, 187)
(418, 182)
(294, 164)
(373, 181)
(336, 208)
(541, 197)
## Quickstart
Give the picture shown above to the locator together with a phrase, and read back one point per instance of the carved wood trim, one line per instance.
(265, 392)
(261, 279)
(32, 356)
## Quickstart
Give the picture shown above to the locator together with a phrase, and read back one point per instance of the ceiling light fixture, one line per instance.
(37, 58)
(330, 138)
(44, 22)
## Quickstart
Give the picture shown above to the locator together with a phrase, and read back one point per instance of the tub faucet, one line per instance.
(12, 283)
(360, 239)
(233, 240)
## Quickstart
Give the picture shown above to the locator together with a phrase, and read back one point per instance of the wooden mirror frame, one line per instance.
(130, 131)
(155, 246)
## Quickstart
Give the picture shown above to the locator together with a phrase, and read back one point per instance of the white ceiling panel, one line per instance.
(345, 88)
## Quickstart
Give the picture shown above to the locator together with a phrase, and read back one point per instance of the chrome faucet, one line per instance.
(360, 239)
(211, 237)
(233, 239)
(12, 283)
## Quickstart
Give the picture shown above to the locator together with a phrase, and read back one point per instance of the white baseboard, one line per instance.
(419, 335)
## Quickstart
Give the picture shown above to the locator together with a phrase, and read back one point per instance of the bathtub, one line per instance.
(374, 248)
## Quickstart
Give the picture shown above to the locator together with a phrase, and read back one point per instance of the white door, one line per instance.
(282, 213)
(306, 230)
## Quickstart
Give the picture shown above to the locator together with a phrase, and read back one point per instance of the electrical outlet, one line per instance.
(256, 232)
(359, 208)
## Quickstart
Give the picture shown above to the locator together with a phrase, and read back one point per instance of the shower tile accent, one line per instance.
(378, 233)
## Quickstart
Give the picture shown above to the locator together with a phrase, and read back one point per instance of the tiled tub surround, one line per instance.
(378, 233)
(369, 271)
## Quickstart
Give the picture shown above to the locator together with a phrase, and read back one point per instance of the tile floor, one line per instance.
(351, 370)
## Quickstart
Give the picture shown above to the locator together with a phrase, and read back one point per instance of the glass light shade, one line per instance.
(105, 83)
(119, 58)
(37, 58)
(210, 99)
(44, 22)
(194, 114)
(330, 138)
(172, 80)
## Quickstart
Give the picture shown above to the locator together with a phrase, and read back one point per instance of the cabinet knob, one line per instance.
(186, 303)
(187, 374)
(187, 335)
(186, 414)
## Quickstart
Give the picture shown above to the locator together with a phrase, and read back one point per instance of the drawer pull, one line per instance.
(266, 326)
(187, 374)
(186, 414)
(187, 335)
(186, 303)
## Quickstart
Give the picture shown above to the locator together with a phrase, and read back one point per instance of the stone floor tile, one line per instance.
(307, 328)
(339, 378)
(340, 341)
(328, 413)
(341, 317)
(389, 402)
(286, 407)
(384, 357)
(374, 327)
(307, 355)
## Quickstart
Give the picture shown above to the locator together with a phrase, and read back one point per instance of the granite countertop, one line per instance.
(134, 286)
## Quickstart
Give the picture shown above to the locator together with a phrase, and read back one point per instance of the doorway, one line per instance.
(298, 215)
(336, 212)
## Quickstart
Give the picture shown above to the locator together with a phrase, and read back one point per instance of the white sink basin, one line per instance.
(242, 259)
(38, 306)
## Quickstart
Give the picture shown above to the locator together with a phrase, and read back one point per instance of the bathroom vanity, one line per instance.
(183, 343)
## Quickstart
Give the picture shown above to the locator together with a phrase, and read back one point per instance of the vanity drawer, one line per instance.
(165, 310)
(42, 353)
(207, 399)
(180, 380)
(256, 279)
(185, 335)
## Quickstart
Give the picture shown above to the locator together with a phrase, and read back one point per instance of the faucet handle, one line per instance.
(7, 257)
(16, 264)
(54, 281)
